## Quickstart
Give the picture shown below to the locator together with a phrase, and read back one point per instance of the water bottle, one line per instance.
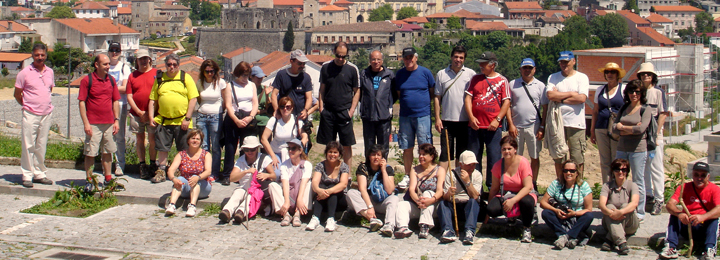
(651, 154)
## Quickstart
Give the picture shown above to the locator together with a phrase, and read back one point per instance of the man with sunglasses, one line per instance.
(338, 97)
(702, 199)
(120, 72)
(139, 86)
(295, 83)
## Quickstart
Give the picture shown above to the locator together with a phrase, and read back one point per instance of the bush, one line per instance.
(681, 146)
(596, 189)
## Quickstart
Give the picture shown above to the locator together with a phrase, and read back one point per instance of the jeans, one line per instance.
(120, 136)
(637, 167)
(233, 135)
(581, 223)
(706, 232)
(205, 188)
(377, 132)
(412, 128)
(471, 209)
(210, 125)
(483, 139)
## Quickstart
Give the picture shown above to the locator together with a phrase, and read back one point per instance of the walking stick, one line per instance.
(452, 183)
(682, 202)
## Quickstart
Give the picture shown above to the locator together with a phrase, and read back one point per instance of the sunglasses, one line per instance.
(569, 170)
(294, 148)
(625, 170)
(210, 71)
(700, 175)
(288, 107)
(171, 64)
(248, 150)
(645, 74)
(115, 51)
(635, 91)
(611, 72)
(342, 56)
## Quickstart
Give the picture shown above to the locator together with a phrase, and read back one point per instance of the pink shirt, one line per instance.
(514, 183)
(37, 87)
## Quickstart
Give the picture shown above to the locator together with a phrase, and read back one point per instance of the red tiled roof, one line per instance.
(14, 56)
(717, 19)
(288, 2)
(274, 61)
(76, 82)
(523, 5)
(656, 18)
(91, 26)
(443, 15)
(416, 20)
(163, 55)
(485, 26)
(601, 12)
(656, 36)
(398, 22)
(565, 13)
(90, 5)
(332, 8)
(173, 7)
(466, 14)
(676, 8)
(324, 2)
(319, 59)
(124, 10)
(237, 52)
(343, 2)
(412, 27)
(16, 27)
(20, 9)
(110, 3)
(194, 60)
(634, 18)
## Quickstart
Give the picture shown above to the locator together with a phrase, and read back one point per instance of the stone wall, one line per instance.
(260, 18)
(213, 42)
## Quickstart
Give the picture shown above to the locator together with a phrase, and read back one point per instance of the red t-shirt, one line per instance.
(486, 100)
(99, 104)
(514, 183)
(710, 196)
(139, 85)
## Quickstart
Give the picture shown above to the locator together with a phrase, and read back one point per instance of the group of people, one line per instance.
(272, 127)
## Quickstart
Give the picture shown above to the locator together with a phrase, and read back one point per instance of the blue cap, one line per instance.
(257, 72)
(566, 55)
(527, 62)
(297, 142)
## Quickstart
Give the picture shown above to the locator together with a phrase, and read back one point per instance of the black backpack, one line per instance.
(112, 81)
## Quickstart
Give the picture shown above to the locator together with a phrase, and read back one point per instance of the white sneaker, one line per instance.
(314, 223)
(191, 211)
(170, 210)
(375, 224)
(118, 170)
(330, 225)
(404, 183)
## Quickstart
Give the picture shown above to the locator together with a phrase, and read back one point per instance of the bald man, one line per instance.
(377, 97)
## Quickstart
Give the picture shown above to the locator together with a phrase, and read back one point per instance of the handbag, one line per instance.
(612, 117)
(376, 189)
(240, 114)
(515, 211)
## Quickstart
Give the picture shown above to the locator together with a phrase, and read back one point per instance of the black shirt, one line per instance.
(340, 81)
(294, 87)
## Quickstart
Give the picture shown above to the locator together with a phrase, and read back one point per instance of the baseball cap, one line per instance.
(701, 166)
(408, 51)
(143, 53)
(527, 62)
(298, 55)
(566, 55)
(257, 72)
(297, 142)
(114, 45)
(468, 157)
(487, 56)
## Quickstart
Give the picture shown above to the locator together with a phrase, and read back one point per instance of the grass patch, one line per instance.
(76, 202)
(596, 189)
(211, 210)
(11, 147)
(541, 189)
(7, 83)
(163, 44)
(681, 146)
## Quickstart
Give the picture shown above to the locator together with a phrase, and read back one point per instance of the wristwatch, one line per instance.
(188, 119)
(117, 119)
(370, 206)
(499, 119)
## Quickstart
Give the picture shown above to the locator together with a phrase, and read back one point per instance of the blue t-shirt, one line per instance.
(414, 87)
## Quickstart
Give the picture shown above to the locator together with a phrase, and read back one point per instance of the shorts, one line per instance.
(334, 124)
(412, 128)
(575, 138)
(526, 136)
(165, 134)
(102, 136)
(136, 126)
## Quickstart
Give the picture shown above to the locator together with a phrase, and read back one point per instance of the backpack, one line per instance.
(112, 81)
(650, 131)
(376, 189)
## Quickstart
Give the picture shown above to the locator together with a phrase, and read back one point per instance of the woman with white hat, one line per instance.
(654, 168)
(253, 166)
(608, 101)
(295, 194)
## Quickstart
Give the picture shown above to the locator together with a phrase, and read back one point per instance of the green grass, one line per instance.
(681, 146)
(11, 147)
(596, 189)
(6, 82)
(74, 203)
(166, 44)
(211, 210)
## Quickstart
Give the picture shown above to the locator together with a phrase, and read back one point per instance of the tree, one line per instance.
(60, 12)
(361, 59)
(631, 5)
(548, 4)
(383, 13)
(453, 23)
(194, 6)
(683, 33)
(191, 39)
(210, 11)
(79, 60)
(289, 39)
(5, 72)
(431, 24)
(496, 40)
(25, 45)
(704, 22)
(406, 12)
(577, 27)
(435, 55)
(611, 29)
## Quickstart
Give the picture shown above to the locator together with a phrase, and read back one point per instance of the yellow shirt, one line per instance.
(173, 98)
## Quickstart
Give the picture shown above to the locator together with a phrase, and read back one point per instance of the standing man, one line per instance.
(339, 96)
(415, 88)
(702, 199)
(99, 109)
(295, 83)
(33, 88)
(120, 72)
(377, 97)
(450, 91)
(139, 86)
(175, 96)
(525, 122)
(570, 88)
(487, 101)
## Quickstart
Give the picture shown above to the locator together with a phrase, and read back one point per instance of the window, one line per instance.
(333, 39)
(377, 5)
(354, 39)
(362, 39)
(676, 23)
(682, 15)
(370, 39)
(347, 39)
(323, 23)
(318, 39)
(138, 5)
(325, 36)
(683, 23)
(403, 35)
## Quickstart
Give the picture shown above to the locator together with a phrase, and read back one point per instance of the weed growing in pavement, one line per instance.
(77, 202)
(541, 189)
(211, 210)
(596, 189)
(398, 177)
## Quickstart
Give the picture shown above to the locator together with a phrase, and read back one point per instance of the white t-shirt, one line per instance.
(287, 170)
(120, 73)
(211, 101)
(453, 108)
(573, 115)
(244, 96)
(284, 132)
(241, 164)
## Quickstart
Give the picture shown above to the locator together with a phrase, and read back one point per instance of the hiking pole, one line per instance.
(682, 202)
(452, 183)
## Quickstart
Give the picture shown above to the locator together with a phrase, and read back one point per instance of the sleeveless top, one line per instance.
(190, 167)
(325, 176)
(616, 102)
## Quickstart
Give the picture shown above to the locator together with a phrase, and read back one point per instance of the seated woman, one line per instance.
(422, 194)
(280, 130)
(195, 165)
(572, 201)
(252, 166)
(517, 186)
(367, 202)
(329, 183)
(295, 192)
(618, 200)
